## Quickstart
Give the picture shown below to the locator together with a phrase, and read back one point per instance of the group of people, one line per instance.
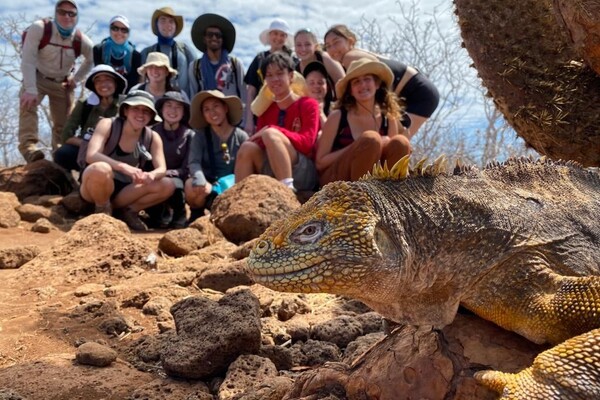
(303, 114)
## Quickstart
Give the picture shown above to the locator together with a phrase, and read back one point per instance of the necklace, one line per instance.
(284, 99)
(372, 113)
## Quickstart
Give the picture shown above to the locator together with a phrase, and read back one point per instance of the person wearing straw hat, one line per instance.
(412, 87)
(166, 25)
(106, 85)
(278, 37)
(214, 147)
(50, 49)
(365, 128)
(174, 130)
(157, 75)
(119, 180)
(117, 51)
(217, 69)
(287, 131)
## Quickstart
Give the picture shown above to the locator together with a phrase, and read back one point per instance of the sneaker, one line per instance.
(132, 219)
(33, 156)
(104, 209)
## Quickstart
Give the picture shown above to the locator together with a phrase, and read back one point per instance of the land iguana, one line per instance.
(517, 243)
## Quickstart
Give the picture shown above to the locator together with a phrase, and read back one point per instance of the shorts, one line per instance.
(119, 185)
(304, 173)
(420, 95)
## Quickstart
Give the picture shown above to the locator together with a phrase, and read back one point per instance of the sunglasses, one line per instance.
(216, 35)
(62, 13)
(115, 28)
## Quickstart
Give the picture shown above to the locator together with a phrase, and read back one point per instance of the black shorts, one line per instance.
(119, 185)
(420, 95)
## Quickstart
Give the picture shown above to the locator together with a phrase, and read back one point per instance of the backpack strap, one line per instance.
(77, 39)
(198, 73)
(115, 135)
(47, 33)
(233, 62)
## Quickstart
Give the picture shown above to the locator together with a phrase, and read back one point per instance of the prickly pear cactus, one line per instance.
(536, 70)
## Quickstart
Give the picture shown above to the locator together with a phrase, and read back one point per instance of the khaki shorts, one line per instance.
(304, 173)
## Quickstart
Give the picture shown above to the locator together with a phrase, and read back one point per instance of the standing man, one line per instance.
(166, 25)
(50, 48)
(214, 36)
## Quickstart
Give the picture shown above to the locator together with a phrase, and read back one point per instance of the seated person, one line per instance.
(119, 179)
(106, 85)
(286, 132)
(157, 76)
(214, 147)
(176, 135)
(318, 86)
(365, 128)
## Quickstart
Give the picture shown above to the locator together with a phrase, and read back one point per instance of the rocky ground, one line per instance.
(93, 311)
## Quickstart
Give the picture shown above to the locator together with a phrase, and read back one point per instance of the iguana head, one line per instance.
(327, 245)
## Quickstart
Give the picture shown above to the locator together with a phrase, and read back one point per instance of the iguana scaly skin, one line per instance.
(517, 243)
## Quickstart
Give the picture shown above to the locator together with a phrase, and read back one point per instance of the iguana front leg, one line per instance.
(569, 371)
(528, 298)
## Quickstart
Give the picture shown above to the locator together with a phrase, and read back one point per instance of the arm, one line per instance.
(195, 160)
(88, 62)
(357, 54)
(193, 86)
(158, 158)
(29, 58)
(325, 157)
(249, 117)
(334, 68)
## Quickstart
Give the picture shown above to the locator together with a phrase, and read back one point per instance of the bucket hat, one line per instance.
(277, 24)
(234, 106)
(157, 59)
(264, 98)
(364, 66)
(168, 11)
(178, 97)
(103, 69)
(139, 98)
(209, 20)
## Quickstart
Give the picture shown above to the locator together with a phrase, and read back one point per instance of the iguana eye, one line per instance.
(308, 233)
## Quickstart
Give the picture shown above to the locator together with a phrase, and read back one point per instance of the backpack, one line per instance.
(233, 62)
(76, 46)
(113, 141)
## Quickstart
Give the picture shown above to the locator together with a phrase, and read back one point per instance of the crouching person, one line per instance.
(174, 109)
(214, 148)
(115, 177)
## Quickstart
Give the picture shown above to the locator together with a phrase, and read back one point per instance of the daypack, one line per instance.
(233, 62)
(76, 45)
(113, 141)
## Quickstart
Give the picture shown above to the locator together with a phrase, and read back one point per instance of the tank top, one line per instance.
(344, 138)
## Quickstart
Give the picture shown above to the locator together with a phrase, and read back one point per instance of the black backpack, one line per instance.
(113, 141)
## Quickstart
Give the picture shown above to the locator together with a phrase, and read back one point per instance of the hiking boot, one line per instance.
(179, 219)
(104, 209)
(33, 156)
(133, 220)
(195, 214)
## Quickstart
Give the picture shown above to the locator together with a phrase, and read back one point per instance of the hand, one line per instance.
(70, 83)
(28, 100)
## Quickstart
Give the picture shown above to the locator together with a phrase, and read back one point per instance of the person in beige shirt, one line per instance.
(47, 67)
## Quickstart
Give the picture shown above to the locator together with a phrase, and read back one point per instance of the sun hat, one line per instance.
(213, 20)
(139, 98)
(178, 97)
(314, 66)
(264, 98)
(119, 18)
(157, 59)
(168, 11)
(234, 105)
(103, 69)
(364, 66)
(277, 24)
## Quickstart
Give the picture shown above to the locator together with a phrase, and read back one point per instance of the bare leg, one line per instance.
(97, 183)
(250, 158)
(280, 153)
(196, 196)
(140, 196)
(416, 121)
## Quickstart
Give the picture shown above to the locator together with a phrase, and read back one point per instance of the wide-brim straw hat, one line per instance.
(178, 97)
(364, 66)
(168, 11)
(264, 98)
(235, 110)
(277, 24)
(213, 20)
(120, 81)
(139, 98)
(157, 59)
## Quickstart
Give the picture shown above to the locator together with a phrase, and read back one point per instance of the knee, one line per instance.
(370, 142)
(247, 151)
(271, 136)
(399, 145)
(98, 171)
